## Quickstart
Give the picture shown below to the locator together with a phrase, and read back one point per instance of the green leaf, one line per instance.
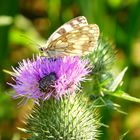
(121, 94)
(118, 80)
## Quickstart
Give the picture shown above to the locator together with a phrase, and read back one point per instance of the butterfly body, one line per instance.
(75, 37)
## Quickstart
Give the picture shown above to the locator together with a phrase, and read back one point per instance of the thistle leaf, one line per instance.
(118, 80)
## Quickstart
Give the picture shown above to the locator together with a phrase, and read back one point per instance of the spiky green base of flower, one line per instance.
(70, 118)
(101, 76)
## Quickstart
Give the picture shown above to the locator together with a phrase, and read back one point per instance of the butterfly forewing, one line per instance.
(68, 27)
(75, 37)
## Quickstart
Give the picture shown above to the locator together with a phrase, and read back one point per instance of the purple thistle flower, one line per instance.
(41, 78)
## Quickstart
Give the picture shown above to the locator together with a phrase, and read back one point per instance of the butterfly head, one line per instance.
(41, 49)
(44, 50)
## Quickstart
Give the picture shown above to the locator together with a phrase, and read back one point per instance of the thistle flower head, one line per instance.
(42, 78)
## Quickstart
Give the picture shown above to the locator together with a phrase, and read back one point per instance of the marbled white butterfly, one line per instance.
(75, 37)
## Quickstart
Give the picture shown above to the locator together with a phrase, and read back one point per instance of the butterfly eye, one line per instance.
(41, 49)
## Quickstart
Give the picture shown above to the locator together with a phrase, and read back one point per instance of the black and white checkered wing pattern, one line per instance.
(68, 27)
(75, 37)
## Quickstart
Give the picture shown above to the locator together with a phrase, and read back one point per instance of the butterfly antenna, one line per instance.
(31, 41)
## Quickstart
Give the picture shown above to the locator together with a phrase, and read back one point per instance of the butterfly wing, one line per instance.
(68, 27)
(79, 41)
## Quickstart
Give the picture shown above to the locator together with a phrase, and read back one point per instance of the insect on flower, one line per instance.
(75, 37)
(46, 82)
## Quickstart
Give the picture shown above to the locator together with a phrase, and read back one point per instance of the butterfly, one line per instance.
(74, 38)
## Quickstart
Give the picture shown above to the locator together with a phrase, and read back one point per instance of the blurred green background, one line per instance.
(24, 24)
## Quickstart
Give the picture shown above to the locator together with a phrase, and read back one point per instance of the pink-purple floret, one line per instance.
(70, 72)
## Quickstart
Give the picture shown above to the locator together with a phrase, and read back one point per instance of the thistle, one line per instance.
(42, 78)
(71, 118)
(62, 112)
